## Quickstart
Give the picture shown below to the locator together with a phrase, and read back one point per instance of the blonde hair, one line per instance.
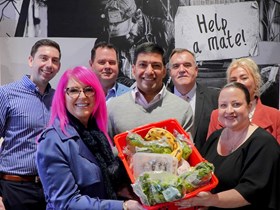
(251, 67)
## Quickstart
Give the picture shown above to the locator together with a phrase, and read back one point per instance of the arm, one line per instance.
(57, 164)
(226, 199)
(3, 112)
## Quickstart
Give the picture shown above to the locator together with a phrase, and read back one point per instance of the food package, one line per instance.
(143, 161)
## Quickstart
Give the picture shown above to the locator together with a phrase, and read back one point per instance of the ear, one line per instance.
(30, 61)
(90, 62)
(250, 106)
(133, 70)
(164, 71)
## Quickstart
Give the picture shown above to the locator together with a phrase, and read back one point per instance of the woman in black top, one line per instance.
(245, 156)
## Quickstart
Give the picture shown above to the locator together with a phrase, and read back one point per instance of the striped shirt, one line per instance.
(24, 113)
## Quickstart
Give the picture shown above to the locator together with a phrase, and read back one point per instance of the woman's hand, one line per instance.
(202, 200)
(132, 205)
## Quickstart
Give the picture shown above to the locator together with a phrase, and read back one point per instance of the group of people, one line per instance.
(58, 149)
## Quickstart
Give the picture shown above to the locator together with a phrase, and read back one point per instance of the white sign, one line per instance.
(219, 31)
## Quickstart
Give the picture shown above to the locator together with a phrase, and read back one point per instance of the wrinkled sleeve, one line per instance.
(3, 111)
(59, 184)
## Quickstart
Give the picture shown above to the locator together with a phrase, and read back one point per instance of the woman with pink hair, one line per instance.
(74, 158)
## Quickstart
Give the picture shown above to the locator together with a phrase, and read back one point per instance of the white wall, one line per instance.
(14, 52)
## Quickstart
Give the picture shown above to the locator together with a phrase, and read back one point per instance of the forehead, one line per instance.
(47, 50)
(231, 93)
(182, 56)
(104, 52)
(74, 83)
(238, 71)
(149, 58)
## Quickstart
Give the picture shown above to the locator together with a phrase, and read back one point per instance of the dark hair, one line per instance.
(240, 86)
(44, 42)
(149, 47)
(102, 45)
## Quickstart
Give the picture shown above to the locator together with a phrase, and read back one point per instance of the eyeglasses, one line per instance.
(75, 92)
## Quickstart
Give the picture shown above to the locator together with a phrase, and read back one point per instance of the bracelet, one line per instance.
(125, 205)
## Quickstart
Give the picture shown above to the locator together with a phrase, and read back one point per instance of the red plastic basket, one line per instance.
(171, 125)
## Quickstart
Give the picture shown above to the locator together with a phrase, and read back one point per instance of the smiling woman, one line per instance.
(77, 145)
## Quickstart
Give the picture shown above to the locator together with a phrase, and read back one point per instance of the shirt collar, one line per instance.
(140, 99)
(26, 82)
(112, 92)
(190, 94)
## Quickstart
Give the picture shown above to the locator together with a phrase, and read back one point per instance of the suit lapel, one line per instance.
(198, 107)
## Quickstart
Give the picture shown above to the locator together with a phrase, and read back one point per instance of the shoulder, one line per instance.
(174, 99)
(265, 108)
(122, 86)
(212, 91)
(54, 132)
(263, 140)
(119, 100)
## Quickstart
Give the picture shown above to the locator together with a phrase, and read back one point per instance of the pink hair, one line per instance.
(87, 77)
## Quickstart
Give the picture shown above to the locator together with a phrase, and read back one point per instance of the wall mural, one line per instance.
(254, 32)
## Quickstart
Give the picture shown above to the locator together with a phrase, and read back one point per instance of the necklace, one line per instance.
(226, 138)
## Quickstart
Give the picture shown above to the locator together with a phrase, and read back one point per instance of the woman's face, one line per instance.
(241, 75)
(80, 100)
(233, 108)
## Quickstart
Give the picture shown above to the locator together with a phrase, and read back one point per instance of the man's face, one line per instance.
(105, 65)
(149, 72)
(44, 65)
(183, 70)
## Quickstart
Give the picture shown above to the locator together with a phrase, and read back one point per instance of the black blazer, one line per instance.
(206, 102)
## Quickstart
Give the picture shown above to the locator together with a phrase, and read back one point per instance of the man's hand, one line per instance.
(2, 207)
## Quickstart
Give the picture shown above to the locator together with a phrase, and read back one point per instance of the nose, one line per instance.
(82, 94)
(182, 68)
(229, 109)
(107, 65)
(149, 69)
(49, 63)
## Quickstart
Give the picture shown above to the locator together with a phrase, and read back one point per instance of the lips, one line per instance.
(47, 72)
(230, 117)
(82, 104)
(148, 79)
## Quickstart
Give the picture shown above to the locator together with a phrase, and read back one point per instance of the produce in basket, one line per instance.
(159, 187)
(197, 176)
(159, 140)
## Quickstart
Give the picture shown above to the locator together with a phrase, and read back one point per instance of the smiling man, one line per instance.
(105, 64)
(149, 101)
(24, 112)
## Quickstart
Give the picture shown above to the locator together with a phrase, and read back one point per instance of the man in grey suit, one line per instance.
(183, 71)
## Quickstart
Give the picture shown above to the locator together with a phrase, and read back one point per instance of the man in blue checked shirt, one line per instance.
(24, 113)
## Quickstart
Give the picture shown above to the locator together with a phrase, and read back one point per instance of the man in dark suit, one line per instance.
(183, 72)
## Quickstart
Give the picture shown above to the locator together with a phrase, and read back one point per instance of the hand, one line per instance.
(202, 200)
(133, 205)
(2, 207)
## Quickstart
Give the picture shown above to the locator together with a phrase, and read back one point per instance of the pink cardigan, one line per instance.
(264, 116)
